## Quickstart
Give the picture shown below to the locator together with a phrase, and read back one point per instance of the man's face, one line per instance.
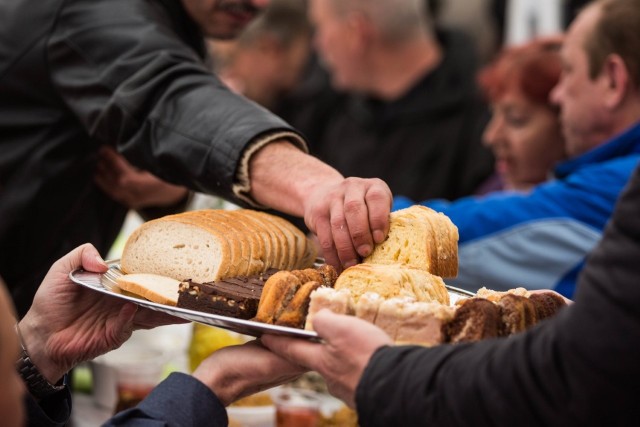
(223, 19)
(583, 115)
(12, 390)
(335, 42)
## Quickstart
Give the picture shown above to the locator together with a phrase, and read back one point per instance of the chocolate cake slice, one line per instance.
(546, 304)
(475, 320)
(518, 313)
(236, 297)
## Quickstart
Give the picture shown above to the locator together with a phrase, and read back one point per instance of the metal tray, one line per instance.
(106, 284)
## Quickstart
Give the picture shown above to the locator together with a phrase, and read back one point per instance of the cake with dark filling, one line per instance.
(476, 319)
(236, 297)
(518, 313)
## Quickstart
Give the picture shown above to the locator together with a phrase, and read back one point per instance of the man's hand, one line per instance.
(238, 371)
(348, 345)
(348, 218)
(132, 187)
(348, 215)
(68, 323)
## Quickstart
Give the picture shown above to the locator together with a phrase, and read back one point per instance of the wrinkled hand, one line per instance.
(348, 345)
(132, 187)
(238, 371)
(349, 218)
(348, 215)
(68, 323)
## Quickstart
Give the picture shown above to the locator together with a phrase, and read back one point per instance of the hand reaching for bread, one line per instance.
(349, 218)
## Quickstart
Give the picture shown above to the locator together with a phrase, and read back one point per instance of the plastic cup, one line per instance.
(126, 376)
(297, 408)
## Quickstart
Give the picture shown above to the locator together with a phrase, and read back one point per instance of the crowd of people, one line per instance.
(335, 112)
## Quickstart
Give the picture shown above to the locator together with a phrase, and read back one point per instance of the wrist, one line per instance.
(221, 383)
(37, 385)
(34, 340)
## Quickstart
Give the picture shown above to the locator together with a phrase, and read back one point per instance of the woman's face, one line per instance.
(526, 140)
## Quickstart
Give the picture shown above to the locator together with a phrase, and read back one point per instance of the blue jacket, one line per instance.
(539, 240)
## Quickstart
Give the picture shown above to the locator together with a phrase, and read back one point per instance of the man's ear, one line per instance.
(616, 75)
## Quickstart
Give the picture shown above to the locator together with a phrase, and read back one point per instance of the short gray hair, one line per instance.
(396, 19)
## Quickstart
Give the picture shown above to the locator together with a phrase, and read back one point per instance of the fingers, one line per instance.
(351, 219)
(146, 318)
(302, 353)
(325, 241)
(379, 199)
(85, 256)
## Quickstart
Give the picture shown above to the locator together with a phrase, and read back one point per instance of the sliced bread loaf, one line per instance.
(210, 245)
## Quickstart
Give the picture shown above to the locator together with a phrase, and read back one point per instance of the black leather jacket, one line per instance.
(78, 74)
(579, 368)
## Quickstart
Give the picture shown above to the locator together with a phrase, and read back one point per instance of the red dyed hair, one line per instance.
(533, 69)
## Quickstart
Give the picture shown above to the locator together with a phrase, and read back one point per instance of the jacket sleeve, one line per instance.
(536, 239)
(178, 401)
(131, 81)
(579, 368)
(53, 411)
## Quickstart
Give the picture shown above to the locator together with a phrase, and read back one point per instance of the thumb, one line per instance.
(85, 256)
(340, 328)
(330, 325)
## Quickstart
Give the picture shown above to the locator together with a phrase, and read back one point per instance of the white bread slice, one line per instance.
(156, 288)
(211, 221)
(279, 241)
(268, 240)
(446, 238)
(178, 249)
(416, 237)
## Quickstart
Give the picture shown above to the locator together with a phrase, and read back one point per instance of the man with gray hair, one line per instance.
(410, 113)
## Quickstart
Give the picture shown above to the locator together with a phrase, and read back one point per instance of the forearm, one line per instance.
(282, 176)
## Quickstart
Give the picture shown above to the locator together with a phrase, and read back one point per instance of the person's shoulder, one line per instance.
(92, 13)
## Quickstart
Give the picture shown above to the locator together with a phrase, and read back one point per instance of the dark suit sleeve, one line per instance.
(53, 411)
(179, 401)
(579, 368)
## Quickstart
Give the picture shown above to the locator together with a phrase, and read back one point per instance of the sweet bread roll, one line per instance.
(278, 291)
(421, 238)
(286, 295)
(295, 313)
(393, 280)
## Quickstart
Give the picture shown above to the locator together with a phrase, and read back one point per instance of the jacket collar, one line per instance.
(626, 143)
